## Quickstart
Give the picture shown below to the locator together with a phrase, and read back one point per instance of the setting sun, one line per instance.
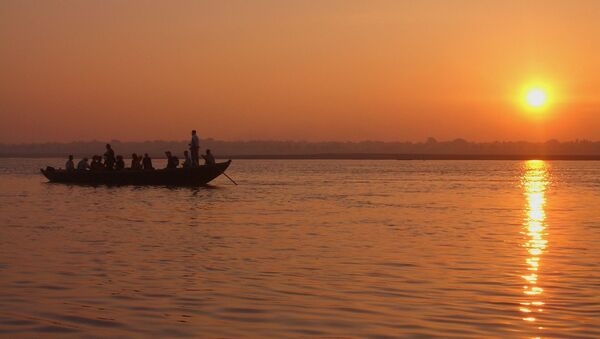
(536, 97)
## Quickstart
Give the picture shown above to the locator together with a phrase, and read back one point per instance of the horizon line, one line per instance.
(426, 140)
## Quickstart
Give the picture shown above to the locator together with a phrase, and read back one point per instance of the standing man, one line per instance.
(195, 149)
(109, 157)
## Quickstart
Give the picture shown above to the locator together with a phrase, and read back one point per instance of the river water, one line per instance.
(334, 249)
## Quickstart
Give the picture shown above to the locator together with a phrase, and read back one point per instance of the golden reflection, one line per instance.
(534, 182)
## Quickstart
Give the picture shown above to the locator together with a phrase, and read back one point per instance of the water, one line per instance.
(335, 249)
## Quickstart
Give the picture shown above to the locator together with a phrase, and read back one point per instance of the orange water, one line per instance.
(350, 249)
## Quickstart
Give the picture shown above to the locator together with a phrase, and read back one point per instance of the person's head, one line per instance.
(185, 153)
(70, 157)
(207, 151)
(168, 154)
(194, 132)
(134, 156)
(146, 155)
(119, 157)
(107, 146)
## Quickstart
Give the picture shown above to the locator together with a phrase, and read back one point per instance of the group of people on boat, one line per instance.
(117, 163)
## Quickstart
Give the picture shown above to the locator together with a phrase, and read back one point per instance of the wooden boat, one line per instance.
(165, 177)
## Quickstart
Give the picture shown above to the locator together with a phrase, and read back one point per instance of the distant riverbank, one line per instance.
(430, 149)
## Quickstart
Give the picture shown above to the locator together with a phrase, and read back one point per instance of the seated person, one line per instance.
(70, 165)
(187, 162)
(147, 162)
(120, 163)
(83, 165)
(96, 163)
(172, 161)
(209, 159)
(136, 162)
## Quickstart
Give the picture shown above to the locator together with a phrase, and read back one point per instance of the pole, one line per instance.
(225, 174)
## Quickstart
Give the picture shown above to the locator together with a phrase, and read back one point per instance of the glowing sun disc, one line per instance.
(536, 97)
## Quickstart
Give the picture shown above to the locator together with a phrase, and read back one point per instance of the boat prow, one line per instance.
(197, 176)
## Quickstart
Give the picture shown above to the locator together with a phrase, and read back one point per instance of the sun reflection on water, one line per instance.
(534, 182)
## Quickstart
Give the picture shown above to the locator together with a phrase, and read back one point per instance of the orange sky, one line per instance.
(297, 70)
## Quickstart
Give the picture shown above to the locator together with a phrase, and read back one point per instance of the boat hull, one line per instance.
(165, 177)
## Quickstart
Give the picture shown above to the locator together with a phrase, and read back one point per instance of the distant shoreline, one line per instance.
(368, 156)
(431, 149)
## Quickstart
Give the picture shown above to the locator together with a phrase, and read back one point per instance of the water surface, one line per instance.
(334, 249)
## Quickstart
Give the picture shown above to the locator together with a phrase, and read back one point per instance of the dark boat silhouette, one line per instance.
(167, 177)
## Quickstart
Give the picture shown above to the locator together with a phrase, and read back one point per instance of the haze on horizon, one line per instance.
(297, 70)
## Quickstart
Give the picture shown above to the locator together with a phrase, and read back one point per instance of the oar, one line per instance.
(225, 174)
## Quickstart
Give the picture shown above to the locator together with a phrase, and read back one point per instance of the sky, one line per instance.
(298, 70)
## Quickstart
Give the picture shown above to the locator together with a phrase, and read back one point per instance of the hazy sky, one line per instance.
(309, 70)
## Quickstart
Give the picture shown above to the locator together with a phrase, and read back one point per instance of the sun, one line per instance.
(536, 97)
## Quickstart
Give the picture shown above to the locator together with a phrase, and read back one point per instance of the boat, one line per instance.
(196, 176)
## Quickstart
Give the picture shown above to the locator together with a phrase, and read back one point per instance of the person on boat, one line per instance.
(136, 162)
(96, 163)
(109, 157)
(120, 163)
(83, 165)
(195, 149)
(172, 161)
(147, 162)
(187, 162)
(70, 165)
(209, 159)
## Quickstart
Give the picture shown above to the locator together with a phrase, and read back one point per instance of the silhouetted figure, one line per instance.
(195, 149)
(83, 165)
(120, 163)
(96, 163)
(187, 161)
(70, 165)
(147, 162)
(136, 162)
(209, 159)
(172, 161)
(109, 157)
